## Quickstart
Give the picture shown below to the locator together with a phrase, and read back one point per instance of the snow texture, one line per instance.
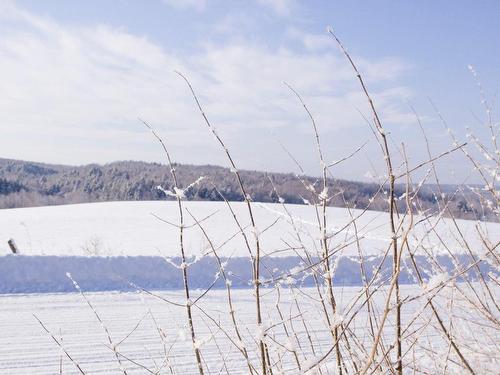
(130, 229)
(37, 274)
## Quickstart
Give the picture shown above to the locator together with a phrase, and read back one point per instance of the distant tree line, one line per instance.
(24, 184)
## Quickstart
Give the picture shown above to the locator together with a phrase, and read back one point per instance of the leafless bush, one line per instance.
(448, 324)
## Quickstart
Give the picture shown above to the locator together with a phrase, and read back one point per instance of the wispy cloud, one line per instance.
(83, 87)
(310, 41)
(197, 5)
(280, 7)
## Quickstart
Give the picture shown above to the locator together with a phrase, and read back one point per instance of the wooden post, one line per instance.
(13, 246)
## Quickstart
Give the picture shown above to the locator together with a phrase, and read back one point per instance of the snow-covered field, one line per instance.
(129, 228)
(26, 349)
(101, 242)
(151, 335)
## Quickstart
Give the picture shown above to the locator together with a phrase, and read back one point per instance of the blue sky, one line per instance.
(76, 75)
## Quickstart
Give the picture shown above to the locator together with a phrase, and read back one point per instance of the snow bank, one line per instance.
(42, 274)
(107, 246)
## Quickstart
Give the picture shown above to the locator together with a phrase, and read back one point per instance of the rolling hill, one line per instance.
(25, 184)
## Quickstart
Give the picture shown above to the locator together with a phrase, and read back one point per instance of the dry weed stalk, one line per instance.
(246, 197)
(377, 328)
(178, 192)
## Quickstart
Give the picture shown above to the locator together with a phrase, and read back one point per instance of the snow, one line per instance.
(26, 349)
(130, 229)
(437, 280)
(107, 245)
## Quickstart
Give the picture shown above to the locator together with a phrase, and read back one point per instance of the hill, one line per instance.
(25, 184)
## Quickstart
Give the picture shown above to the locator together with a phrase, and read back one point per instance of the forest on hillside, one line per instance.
(27, 184)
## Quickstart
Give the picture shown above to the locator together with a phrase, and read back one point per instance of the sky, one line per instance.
(76, 76)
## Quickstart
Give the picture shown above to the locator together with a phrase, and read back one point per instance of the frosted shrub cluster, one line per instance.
(450, 325)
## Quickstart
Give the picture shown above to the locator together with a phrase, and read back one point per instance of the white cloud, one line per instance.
(73, 94)
(233, 25)
(312, 42)
(280, 7)
(197, 5)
